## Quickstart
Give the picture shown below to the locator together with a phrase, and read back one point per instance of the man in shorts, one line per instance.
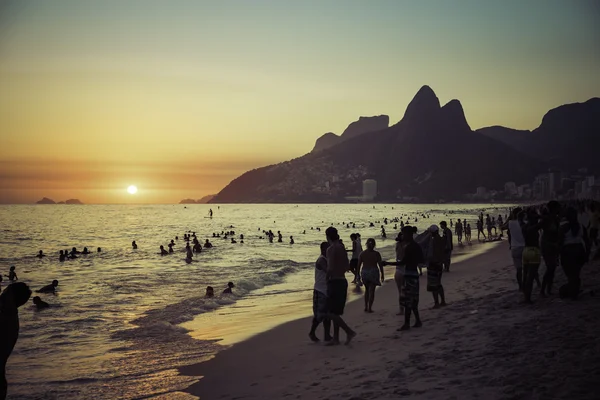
(337, 285)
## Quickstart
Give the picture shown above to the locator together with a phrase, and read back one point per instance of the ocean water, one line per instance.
(119, 325)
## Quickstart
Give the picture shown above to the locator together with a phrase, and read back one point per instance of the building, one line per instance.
(481, 192)
(510, 188)
(369, 189)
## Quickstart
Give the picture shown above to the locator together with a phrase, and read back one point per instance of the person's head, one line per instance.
(407, 233)
(41, 252)
(210, 291)
(55, 283)
(85, 249)
(515, 212)
(12, 268)
(74, 249)
(324, 247)
(371, 243)
(230, 285)
(61, 252)
(37, 300)
(443, 224)
(331, 234)
(99, 249)
(14, 296)
(434, 230)
(353, 236)
(162, 247)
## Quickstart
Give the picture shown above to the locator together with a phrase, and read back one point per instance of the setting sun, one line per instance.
(132, 189)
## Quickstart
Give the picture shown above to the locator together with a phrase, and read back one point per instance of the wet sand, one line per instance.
(485, 344)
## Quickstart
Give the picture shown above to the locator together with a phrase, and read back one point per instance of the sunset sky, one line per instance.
(180, 97)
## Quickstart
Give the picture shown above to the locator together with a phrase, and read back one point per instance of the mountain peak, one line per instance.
(365, 125)
(422, 105)
(454, 115)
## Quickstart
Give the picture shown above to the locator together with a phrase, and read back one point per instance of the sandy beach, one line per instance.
(485, 344)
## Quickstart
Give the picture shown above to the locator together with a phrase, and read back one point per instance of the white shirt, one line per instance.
(321, 275)
(573, 239)
(516, 234)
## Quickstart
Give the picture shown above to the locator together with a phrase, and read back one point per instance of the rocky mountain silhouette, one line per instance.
(45, 200)
(356, 128)
(431, 154)
(567, 138)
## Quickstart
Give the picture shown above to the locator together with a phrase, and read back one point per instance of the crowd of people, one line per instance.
(560, 234)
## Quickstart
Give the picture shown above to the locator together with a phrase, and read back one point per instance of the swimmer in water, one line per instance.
(51, 288)
(197, 247)
(12, 275)
(40, 254)
(73, 253)
(39, 303)
(134, 245)
(189, 253)
(163, 252)
(171, 248)
(61, 256)
(207, 244)
(233, 241)
(85, 251)
(291, 240)
(210, 292)
(230, 286)
(99, 250)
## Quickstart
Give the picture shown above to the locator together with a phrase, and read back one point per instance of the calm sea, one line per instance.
(119, 325)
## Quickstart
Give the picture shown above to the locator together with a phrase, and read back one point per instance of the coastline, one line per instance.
(253, 370)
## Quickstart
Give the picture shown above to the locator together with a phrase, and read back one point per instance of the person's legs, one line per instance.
(436, 300)
(371, 297)
(406, 325)
(418, 322)
(3, 383)
(327, 329)
(367, 295)
(442, 295)
(399, 278)
(336, 330)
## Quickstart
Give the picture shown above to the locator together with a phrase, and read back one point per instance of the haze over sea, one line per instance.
(123, 320)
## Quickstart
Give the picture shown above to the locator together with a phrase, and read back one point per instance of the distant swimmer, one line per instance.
(40, 254)
(233, 241)
(291, 240)
(163, 252)
(207, 244)
(12, 275)
(85, 251)
(197, 247)
(210, 213)
(134, 245)
(61, 256)
(279, 237)
(74, 251)
(39, 303)
(228, 290)
(51, 288)
(210, 292)
(171, 247)
(99, 249)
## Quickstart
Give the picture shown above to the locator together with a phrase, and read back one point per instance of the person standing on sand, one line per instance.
(516, 242)
(320, 309)
(371, 263)
(550, 244)
(436, 255)
(480, 230)
(573, 254)
(13, 297)
(413, 256)
(458, 229)
(531, 253)
(447, 235)
(356, 250)
(337, 285)
(467, 232)
(399, 274)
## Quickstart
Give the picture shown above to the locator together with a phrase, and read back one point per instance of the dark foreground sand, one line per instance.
(484, 345)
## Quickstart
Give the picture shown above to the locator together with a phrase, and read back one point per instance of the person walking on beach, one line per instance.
(320, 310)
(337, 285)
(517, 242)
(480, 230)
(370, 266)
(458, 229)
(413, 256)
(356, 250)
(13, 297)
(447, 235)
(399, 273)
(550, 244)
(436, 256)
(573, 253)
(467, 232)
(531, 253)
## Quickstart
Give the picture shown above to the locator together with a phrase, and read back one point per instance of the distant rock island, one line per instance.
(203, 200)
(431, 154)
(46, 200)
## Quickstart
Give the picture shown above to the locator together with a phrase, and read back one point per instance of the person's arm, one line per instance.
(359, 266)
(380, 264)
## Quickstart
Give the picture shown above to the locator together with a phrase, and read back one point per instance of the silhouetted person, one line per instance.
(197, 247)
(13, 297)
(163, 252)
(291, 240)
(39, 303)
(134, 245)
(12, 275)
(320, 302)
(279, 237)
(40, 254)
(188, 252)
(207, 244)
(51, 288)
(99, 250)
(228, 290)
(61, 256)
(85, 251)
(170, 248)
(210, 292)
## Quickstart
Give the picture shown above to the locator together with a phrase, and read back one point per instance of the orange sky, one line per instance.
(181, 97)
